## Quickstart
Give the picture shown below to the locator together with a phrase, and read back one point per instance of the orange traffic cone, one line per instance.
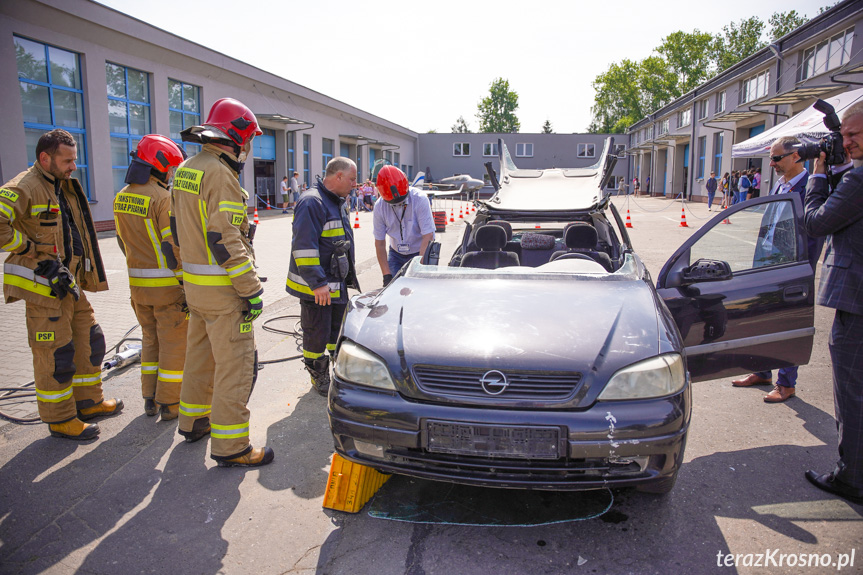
(357, 220)
(460, 214)
(726, 220)
(683, 223)
(536, 227)
(269, 207)
(451, 216)
(628, 221)
(256, 216)
(473, 208)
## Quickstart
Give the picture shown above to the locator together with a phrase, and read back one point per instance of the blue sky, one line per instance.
(423, 64)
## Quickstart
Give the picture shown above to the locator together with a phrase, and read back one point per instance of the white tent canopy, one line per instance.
(808, 126)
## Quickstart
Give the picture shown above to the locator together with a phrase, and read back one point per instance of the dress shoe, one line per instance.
(828, 482)
(254, 458)
(102, 409)
(751, 379)
(200, 430)
(151, 408)
(169, 412)
(74, 429)
(779, 394)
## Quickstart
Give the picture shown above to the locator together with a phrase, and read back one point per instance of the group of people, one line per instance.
(290, 192)
(363, 197)
(736, 186)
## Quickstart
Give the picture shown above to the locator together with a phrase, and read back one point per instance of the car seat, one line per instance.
(490, 240)
(581, 238)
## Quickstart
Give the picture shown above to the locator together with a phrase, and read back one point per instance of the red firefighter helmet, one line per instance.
(392, 184)
(234, 120)
(159, 152)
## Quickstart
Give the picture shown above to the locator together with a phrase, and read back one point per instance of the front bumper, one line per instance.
(612, 444)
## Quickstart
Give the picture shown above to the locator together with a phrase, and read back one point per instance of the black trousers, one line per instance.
(321, 325)
(846, 339)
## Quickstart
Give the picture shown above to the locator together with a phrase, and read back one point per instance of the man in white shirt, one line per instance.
(404, 215)
(283, 189)
(295, 190)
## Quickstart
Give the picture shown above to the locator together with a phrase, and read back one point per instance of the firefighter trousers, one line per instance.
(68, 348)
(321, 325)
(220, 372)
(163, 349)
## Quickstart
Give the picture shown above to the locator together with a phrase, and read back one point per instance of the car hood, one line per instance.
(593, 326)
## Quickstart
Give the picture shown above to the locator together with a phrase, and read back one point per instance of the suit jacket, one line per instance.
(814, 243)
(840, 217)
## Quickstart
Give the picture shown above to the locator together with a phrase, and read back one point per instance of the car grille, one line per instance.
(521, 385)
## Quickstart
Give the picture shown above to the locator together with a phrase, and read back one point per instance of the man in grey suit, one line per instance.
(792, 179)
(839, 216)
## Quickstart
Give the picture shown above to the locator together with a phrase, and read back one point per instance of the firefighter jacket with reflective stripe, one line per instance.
(34, 227)
(142, 216)
(209, 209)
(319, 222)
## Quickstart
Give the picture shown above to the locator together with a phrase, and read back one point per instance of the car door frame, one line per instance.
(755, 320)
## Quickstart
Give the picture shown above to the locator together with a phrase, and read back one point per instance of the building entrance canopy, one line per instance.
(808, 126)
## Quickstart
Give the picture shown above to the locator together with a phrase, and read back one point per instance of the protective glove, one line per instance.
(52, 270)
(387, 279)
(256, 308)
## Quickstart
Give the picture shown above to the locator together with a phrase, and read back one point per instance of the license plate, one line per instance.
(492, 440)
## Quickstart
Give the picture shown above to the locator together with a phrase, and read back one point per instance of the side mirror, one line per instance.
(705, 270)
(432, 255)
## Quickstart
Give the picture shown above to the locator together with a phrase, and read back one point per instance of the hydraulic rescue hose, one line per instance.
(27, 390)
(297, 334)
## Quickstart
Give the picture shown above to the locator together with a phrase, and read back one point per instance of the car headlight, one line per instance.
(654, 377)
(356, 364)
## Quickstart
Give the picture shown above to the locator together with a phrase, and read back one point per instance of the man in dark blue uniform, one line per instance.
(322, 265)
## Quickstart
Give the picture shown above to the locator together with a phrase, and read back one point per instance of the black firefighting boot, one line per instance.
(102, 409)
(319, 369)
(74, 429)
(253, 458)
(170, 412)
(151, 408)
(200, 429)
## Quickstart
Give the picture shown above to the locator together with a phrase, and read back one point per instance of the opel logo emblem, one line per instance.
(493, 382)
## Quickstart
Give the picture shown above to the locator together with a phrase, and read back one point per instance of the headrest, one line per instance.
(580, 235)
(533, 241)
(505, 225)
(490, 238)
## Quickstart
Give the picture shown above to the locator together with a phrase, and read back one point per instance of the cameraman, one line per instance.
(839, 216)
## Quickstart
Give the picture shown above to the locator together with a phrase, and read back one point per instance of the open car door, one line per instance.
(742, 291)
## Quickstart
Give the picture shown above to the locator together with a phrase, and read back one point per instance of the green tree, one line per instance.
(546, 128)
(496, 112)
(688, 57)
(736, 42)
(618, 99)
(781, 23)
(658, 83)
(460, 126)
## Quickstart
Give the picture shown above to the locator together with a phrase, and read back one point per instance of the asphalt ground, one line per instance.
(139, 500)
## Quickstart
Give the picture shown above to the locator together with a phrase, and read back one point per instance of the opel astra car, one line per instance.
(544, 356)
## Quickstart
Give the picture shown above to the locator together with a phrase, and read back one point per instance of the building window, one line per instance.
(128, 115)
(292, 159)
(755, 87)
(684, 118)
(702, 144)
(184, 111)
(524, 150)
(410, 172)
(702, 108)
(307, 160)
(461, 149)
(619, 149)
(359, 164)
(327, 146)
(396, 159)
(718, 140)
(720, 102)
(663, 126)
(489, 149)
(49, 80)
(827, 54)
(649, 132)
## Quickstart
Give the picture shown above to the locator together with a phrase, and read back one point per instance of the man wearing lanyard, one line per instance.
(792, 178)
(405, 216)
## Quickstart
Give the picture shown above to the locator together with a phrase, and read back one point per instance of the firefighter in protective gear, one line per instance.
(322, 266)
(45, 224)
(222, 290)
(142, 216)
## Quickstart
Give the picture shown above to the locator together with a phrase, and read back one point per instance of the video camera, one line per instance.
(831, 144)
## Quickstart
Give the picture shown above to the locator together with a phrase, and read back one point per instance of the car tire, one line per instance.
(660, 487)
